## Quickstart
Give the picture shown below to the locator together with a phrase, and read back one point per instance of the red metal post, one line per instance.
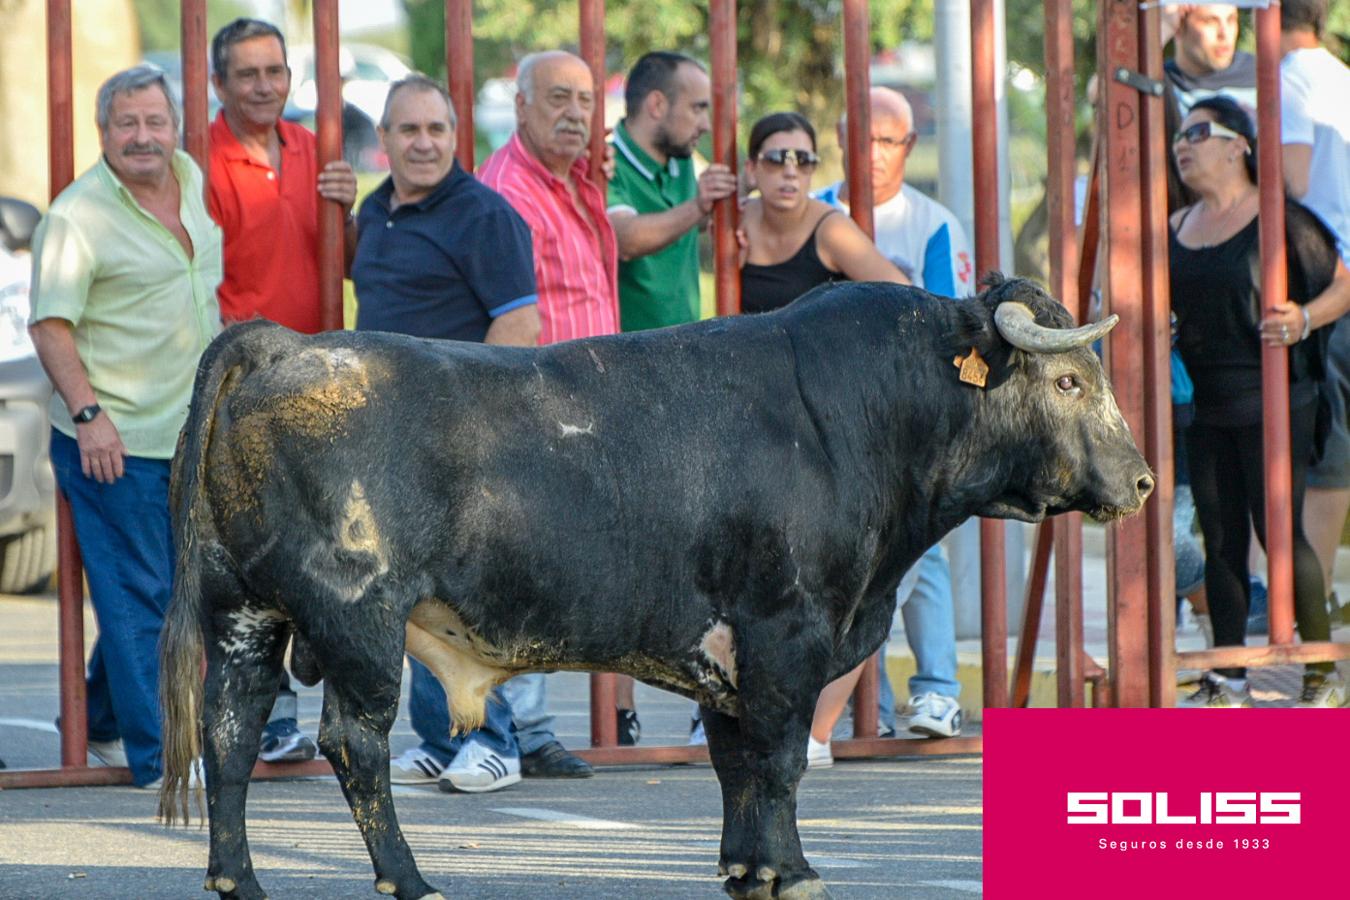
(70, 573)
(722, 40)
(459, 74)
(195, 125)
(604, 726)
(858, 102)
(593, 52)
(1061, 163)
(984, 112)
(857, 81)
(1122, 212)
(1157, 329)
(328, 77)
(1274, 360)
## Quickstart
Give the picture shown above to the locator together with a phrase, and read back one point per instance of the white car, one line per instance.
(27, 486)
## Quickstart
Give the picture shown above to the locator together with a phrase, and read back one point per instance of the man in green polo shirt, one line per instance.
(125, 269)
(656, 205)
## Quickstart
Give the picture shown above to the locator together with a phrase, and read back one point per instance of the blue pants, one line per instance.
(125, 542)
(534, 726)
(930, 627)
(430, 714)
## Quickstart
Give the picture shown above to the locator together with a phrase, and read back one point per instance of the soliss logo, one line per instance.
(1154, 808)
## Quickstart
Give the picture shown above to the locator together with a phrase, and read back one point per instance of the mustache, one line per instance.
(573, 126)
(134, 149)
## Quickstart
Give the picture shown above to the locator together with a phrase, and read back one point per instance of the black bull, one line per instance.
(723, 510)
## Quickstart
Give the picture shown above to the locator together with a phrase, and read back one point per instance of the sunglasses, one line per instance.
(804, 160)
(1203, 131)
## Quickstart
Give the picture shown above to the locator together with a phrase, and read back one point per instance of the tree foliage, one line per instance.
(160, 21)
(790, 52)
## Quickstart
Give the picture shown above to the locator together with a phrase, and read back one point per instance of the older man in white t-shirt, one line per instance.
(1315, 132)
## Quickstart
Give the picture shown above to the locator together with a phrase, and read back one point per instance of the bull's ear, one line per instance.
(973, 326)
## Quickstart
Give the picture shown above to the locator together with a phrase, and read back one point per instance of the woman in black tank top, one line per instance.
(793, 242)
(1221, 325)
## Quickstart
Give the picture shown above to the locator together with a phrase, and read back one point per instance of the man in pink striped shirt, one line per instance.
(542, 172)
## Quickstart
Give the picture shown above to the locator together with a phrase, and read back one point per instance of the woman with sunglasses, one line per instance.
(793, 242)
(1214, 278)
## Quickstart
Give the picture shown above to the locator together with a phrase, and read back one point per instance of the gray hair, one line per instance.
(417, 82)
(236, 32)
(130, 81)
(525, 75)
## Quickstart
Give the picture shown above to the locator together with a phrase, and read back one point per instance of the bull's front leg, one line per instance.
(758, 769)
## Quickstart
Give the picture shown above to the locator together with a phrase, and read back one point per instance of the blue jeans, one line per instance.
(534, 726)
(430, 714)
(930, 627)
(125, 542)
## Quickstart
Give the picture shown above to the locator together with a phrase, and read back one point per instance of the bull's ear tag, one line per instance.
(974, 370)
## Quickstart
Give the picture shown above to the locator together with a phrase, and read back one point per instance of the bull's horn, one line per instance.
(1017, 323)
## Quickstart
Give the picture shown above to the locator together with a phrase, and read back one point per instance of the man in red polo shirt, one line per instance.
(264, 193)
(264, 175)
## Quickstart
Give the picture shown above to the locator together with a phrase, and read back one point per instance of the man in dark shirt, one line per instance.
(438, 255)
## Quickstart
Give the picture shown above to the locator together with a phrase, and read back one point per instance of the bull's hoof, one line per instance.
(229, 889)
(802, 887)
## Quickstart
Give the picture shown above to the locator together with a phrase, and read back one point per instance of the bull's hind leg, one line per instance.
(243, 660)
(360, 702)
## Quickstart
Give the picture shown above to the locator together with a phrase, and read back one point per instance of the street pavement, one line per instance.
(874, 829)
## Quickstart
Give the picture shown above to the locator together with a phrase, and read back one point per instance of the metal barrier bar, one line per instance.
(984, 132)
(196, 127)
(459, 75)
(592, 14)
(1272, 655)
(1157, 332)
(1033, 604)
(1061, 165)
(858, 102)
(604, 725)
(328, 78)
(1127, 540)
(726, 212)
(1274, 359)
(70, 573)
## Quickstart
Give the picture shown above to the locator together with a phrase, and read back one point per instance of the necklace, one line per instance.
(1221, 228)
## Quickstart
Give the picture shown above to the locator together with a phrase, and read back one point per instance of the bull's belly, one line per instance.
(469, 667)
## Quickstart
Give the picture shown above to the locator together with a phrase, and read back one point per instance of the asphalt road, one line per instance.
(873, 829)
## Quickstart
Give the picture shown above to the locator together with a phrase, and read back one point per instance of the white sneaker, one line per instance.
(1217, 692)
(934, 715)
(477, 770)
(195, 780)
(415, 766)
(818, 755)
(109, 753)
(1322, 690)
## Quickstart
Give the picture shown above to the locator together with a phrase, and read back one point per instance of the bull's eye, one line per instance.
(1067, 383)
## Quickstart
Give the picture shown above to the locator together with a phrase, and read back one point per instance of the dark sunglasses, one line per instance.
(804, 160)
(1203, 131)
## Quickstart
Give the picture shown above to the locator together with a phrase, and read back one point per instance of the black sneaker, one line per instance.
(283, 741)
(630, 729)
(553, 761)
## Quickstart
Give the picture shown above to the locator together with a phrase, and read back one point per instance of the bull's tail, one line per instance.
(181, 643)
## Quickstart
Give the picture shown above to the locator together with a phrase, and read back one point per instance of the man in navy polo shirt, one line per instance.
(438, 255)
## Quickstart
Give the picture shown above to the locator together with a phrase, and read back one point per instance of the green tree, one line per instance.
(790, 52)
(160, 21)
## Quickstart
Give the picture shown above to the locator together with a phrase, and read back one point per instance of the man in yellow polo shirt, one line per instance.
(125, 269)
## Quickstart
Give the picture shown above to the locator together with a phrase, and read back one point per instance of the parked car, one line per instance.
(27, 486)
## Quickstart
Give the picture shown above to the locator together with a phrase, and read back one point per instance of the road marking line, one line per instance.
(575, 821)
(973, 887)
(34, 724)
